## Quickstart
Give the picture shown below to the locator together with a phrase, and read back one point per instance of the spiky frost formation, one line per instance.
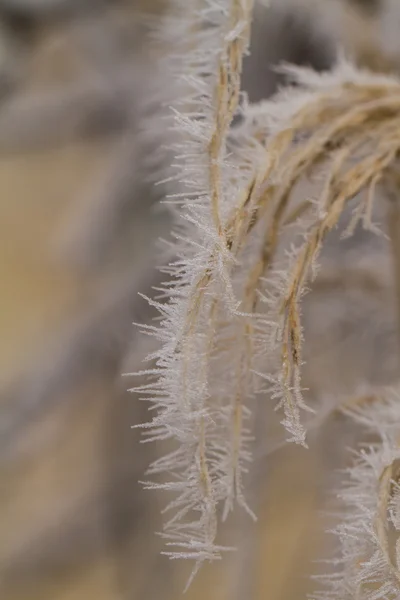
(367, 566)
(205, 420)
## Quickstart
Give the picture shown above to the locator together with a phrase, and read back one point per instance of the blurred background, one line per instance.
(80, 218)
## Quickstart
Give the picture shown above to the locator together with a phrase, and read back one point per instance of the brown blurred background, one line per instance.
(79, 220)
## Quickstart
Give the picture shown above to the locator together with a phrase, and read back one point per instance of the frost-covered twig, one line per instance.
(205, 471)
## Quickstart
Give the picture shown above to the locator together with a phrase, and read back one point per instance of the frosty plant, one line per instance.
(245, 247)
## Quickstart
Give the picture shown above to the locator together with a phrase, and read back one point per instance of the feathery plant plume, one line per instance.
(246, 246)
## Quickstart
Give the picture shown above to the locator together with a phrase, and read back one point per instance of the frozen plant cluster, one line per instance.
(244, 251)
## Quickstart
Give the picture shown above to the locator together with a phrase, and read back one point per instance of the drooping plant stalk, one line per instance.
(213, 36)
